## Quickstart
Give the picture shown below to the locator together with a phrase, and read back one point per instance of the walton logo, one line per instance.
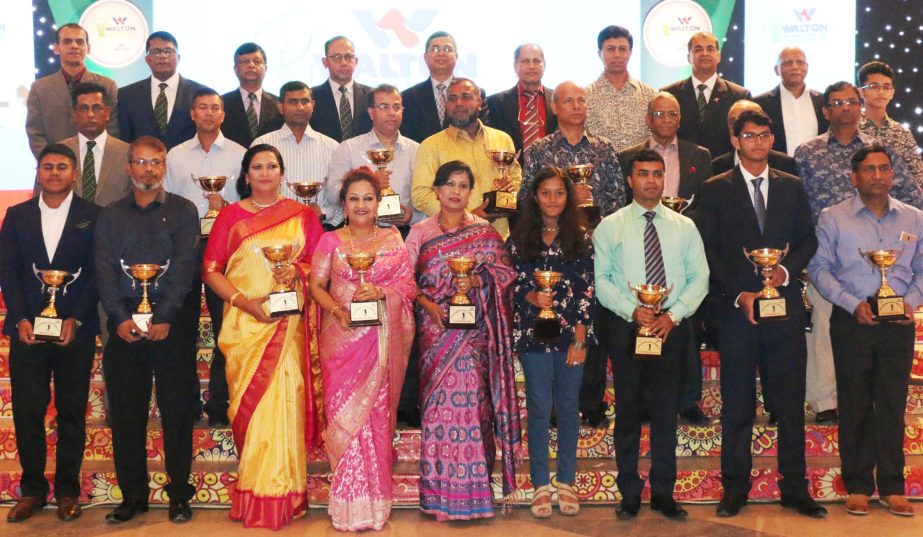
(684, 20)
(404, 28)
(805, 15)
(119, 21)
(806, 27)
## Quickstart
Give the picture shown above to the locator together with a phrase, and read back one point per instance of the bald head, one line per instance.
(569, 104)
(740, 107)
(792, 68)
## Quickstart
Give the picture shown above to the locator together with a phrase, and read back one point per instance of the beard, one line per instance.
(462, 122)
(147, 187)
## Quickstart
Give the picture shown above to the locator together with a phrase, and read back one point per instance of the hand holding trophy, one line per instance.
(47, 326)
(366, 312)
(770, 305)
(501, 201)
(579, 173)
(144, 273)
(283, 300)
(648, 346)
(886, 304)
(547, 327)
(389, 207)
(462, 313)
(211, 185)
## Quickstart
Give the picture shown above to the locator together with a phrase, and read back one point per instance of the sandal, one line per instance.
(568, 502)
(541, 502)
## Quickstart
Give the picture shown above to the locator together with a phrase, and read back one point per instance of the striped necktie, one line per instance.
(701, 102)
(530, 125)
(440, 102)
(653, 257)
(346, 114)
(88, 180)
(252, 121)
(160, 108)
(759, 204)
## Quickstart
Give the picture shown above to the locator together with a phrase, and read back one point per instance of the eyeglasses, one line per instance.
(342, 58)
(168, 51)
(660, 115)
(842, 103)
(875, 86)
(436, 49)
(84, 108)
(751, 136)
(143, 162)
(384, 107)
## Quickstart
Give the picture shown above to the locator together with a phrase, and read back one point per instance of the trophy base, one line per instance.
(592, 215)
(143, 320)
(648, 347)
(364, 314)
(547, 330)
(769, 309)
(47, 328)
(502, 203)
(389, 210)
(205, 225)
(462, 316)
(283, 303)
(888, 309)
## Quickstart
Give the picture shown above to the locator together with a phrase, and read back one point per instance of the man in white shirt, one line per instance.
(340, 103)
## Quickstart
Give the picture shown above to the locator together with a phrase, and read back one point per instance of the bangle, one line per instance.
(578, 345)
(234, 297)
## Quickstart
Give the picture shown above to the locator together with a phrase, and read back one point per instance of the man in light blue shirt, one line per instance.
(872, 356)
(647, 243)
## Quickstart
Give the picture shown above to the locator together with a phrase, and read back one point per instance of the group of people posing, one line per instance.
(332, 322)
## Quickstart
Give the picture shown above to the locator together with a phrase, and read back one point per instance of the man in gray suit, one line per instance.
(49, 104)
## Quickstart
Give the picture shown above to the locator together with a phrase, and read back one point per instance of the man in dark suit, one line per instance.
(51, 231)
(797, 112)
(425, 102)
(750, 207)
(705, 98)
(524, 111)
(726, 162)
(341, 104)
(158, 106)
(244, 122)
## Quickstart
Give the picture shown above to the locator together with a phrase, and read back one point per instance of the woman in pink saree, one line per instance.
(363, 367)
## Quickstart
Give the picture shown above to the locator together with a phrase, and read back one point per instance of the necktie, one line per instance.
(346, 115)
(653, 257)
(160, 108)
(701, 102)
(440, 102)
(759, 204)
(252, 122)
(89, 173)
(530, 126)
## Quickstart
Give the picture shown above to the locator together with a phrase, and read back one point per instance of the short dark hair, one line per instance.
(518, 51)
(249, 48)
(243, 189)
(357, 176)
(203, 92)
(644, 155)
(145, 141)
(450, 168)
(839, 86)
(70, 26)
(58, 149)
(864, 152)
(332, 40)
(702, 34)
(874, 68)
(293, 85)
(163, 36)
(382, 88)
(86, 88)
(757, 117)
(437, 35)
(614, 32)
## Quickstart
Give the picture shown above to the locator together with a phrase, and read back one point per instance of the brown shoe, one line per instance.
(24, 508)
(857, 504)
(897, 504)
(68, 509)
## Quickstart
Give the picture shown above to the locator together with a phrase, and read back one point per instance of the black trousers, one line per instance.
(654, 384)
(778, 349)
(31, 370)
(593, 387)
(691, 390)
(129, 368)
(872, 372)
(217, 404)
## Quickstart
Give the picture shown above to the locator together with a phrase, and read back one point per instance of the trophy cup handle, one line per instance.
(664, 298)
(163, 270)
(756, 268)
(688, 203)
(784, 252)
(127, 270)
(74, 277)
(38, 275)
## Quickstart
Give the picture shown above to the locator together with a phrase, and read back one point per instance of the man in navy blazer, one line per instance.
(53, 230)
(158, 106)
(333, 117)
(250, 69)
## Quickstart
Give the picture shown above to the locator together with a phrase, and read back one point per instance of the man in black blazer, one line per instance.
(750, 207)
(705, 98)
(726, 162)
(510, 109)
(792, 68)
(239, 126)
(53, 230)
(341, 104)
(158, 106)
(425, 114)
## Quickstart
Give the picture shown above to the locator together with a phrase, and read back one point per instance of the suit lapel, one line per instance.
(181, 91)
(70, 225)
(34, 217)
(685, 164)
(511, 111)
(743, 200)
(268, 109)
(775, 203)
(718, 93)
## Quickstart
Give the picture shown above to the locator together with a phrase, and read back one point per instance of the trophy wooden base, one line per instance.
(592, 215)
(462, 316)
(364, 314)
(389, 210)
(143, 320)
(769, 309)
(888, 309)
(502, 203)
(283, 303)
(205, 225)
(47, 328)
(547, 330)
(648, 347)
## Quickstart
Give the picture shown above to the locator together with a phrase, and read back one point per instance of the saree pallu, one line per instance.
(468, 390)
(271, 367)
(363, 370)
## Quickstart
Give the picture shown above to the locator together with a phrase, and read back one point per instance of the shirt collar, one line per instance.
(336, 87)
(172, 82)
(710, 82)
(785, 94)
(637, 210)
(672, 143)
(100, 140)
(856, 205)
(520, 90)
(219, 142)
(76, 78)
(831, 139)
(308, 132)
(65, 205)
(244, 94)
(435, 83)
(749, 176)
(374, 142)
(159, 200)
(584, 138)
(460, 134)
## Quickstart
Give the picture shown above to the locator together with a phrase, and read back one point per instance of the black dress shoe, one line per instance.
(804, 504)
(771, 419)
(180, 511)
(218, 420)
(25, 508)
(826, 417)
(595, 418)
(694, 416)
(126, 511)
(409, 416)
(629, 508)
(668, 508)
(731, 504)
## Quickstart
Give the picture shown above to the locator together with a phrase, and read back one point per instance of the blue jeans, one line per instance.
(548, 376)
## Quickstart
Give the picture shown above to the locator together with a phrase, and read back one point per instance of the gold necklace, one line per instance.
(349, 232)
(260, 206)
(549, 229)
